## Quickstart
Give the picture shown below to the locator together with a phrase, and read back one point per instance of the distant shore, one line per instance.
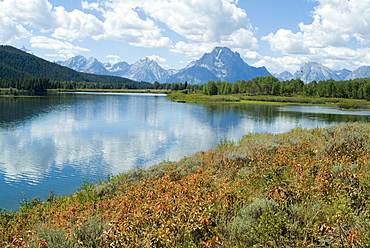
(198, 98)
(116, 90)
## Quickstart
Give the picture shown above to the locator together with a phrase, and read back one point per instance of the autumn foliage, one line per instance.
(305, 188)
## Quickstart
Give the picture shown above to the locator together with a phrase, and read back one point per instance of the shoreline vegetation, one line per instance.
(304, 188)
(198, 98)
(350, 94)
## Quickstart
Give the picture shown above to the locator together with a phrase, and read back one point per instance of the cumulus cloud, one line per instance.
(76, 25)
(204, 24)
(123, 23)
(20, 18)
(113, 56)
(201, 25)
(16, 15)
(52, 44)
(35, 13)
(12, 32)
(335, 24)
(280, 64)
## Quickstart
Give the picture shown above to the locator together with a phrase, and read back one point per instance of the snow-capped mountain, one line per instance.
(361, 72)
(147, 70)
(221, 64)
(118, 69)
(90, 65)
(284, 76)
(313, 71)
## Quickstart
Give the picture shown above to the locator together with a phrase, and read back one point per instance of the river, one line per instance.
(58, 141)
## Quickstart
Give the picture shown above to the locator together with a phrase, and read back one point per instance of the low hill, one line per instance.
(15, 63)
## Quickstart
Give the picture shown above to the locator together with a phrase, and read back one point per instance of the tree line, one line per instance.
(353, 89)
(42, 84)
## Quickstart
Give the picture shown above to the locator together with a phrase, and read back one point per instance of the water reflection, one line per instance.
(55, 142)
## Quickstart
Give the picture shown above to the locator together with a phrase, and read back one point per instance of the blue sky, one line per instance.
(278, 34)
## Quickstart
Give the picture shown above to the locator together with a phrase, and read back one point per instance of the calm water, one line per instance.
(55, 142)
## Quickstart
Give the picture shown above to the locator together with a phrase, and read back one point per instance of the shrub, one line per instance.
(53, 238)
(89, 234)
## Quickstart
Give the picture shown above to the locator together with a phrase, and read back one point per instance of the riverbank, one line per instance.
(305, 188)
(198, 98)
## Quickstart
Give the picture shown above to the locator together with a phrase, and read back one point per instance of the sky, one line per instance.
(281, 35)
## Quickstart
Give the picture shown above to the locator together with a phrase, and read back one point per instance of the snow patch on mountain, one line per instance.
(314, 71)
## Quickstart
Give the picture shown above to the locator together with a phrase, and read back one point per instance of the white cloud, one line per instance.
(287, 42)
(10, 33)
(123, 23)
(198, 20)
(336, 26)
(17, 15)
(35, 13)
(280, 64)
(76, 25)
(19, 18)
(204, 24)
(91, 6)
(52, 44)
(113, 56)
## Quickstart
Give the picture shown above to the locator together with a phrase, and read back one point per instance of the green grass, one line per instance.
(199, 98)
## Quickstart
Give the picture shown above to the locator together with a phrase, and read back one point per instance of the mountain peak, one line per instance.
(146, 59)
(219, 49)
(221, 64)
(81, 64)
(220, 53)
(314, 71)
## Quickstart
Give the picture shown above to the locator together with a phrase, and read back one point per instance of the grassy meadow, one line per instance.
(199, 98)
(305, 188)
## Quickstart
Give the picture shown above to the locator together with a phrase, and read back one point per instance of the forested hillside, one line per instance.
(15, 63)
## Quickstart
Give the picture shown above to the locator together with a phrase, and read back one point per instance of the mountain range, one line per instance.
(314, 71)
(221, 64)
